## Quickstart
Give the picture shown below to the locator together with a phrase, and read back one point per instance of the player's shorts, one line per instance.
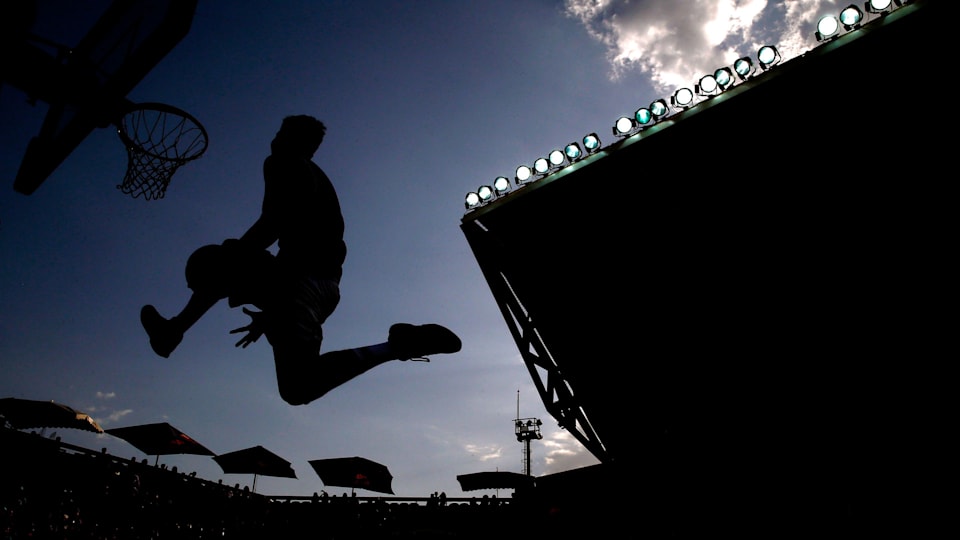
(303, 307)
(296, 303)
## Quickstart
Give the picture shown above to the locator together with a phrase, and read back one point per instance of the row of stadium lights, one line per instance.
(828, 28)
(852, 17)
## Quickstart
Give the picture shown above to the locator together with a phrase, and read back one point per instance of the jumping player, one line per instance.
(296, 289)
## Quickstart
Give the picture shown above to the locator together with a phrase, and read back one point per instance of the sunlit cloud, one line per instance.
(102, 417)
(113, 417)
(564, 452)
(484, 453)
(676, 42)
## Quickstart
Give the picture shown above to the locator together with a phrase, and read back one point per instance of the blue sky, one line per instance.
(424, 101)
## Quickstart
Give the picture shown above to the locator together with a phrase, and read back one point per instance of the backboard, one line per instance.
(86, 83)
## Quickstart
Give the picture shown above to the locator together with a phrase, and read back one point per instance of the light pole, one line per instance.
(526, 429)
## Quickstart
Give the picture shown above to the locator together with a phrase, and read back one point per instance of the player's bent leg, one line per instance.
(164, 335)
(304, 376)
(209, 272)
(417, 342)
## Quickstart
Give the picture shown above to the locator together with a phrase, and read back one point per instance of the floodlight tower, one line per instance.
(526, 429)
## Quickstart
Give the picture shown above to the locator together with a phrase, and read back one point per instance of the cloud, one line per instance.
(676, 42)
(564, 453)
(116, 415)
(113, 417)
(484, 453)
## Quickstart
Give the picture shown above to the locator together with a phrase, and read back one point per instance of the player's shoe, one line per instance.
(163, 339)
(413, 342)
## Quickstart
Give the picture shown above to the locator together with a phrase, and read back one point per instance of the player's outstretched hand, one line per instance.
(254, 330)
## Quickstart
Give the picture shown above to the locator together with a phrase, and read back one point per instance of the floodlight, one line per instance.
(851, 17)
(591, 142)
(827, 27)
(556, 159)
(573, 151)
(623, 126)
(682, 98)
(724, 77)
(485, 193)
(879, 6)
(523, 174)
(708, 85)
(643, 116)
(501, 185)
(541, 166)
(471, 200)
(659, 109)
(744, 67)
(768, 56)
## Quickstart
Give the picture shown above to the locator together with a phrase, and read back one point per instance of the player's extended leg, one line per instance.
(304, 376)
(166, 334)
(213, 272)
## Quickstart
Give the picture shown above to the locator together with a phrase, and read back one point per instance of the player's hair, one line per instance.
(305, 128)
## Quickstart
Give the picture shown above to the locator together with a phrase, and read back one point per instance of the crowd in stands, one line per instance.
(55, 490)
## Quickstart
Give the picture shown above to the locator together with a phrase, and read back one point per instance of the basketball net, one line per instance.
(159, 139)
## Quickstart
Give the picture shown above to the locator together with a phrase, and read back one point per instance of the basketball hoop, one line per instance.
(159, 139)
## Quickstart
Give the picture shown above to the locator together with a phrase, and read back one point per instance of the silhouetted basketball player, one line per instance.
(297, 289)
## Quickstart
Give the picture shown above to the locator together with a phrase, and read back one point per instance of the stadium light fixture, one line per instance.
(541, 166)
(879, 6)
(828, 27)
(573, 152)
(659, 109)
(643, 116)
(682, 98)
(524, 174)
(851, 17)
(724, 78)
(768, 56)
(591, 143)
(485, 193)
(744, 68)
(623, 126)
(707, 86)
(557, 159)
(472, 200)
(501, 185)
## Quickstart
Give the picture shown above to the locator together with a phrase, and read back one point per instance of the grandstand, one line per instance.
(714, 306)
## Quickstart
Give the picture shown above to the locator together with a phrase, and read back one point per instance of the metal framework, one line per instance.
(555, 392)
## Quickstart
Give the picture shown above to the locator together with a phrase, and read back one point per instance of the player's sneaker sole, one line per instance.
(417, 342)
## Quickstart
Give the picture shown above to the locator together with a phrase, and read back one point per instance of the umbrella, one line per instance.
(494, 480)
(160, 439)
(27, 413)
(256, 461)
(354, 472)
